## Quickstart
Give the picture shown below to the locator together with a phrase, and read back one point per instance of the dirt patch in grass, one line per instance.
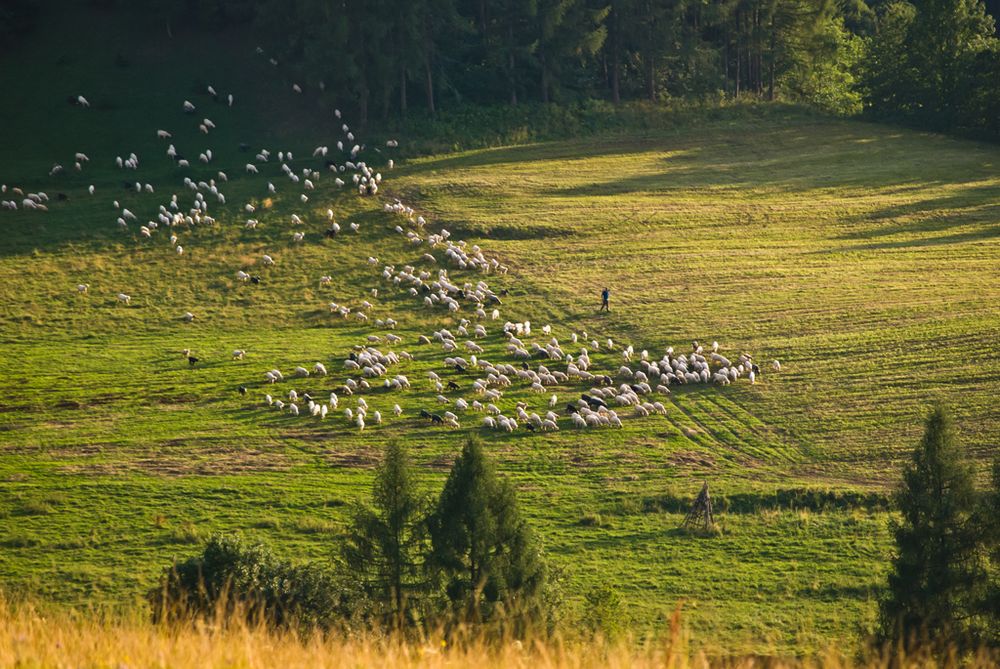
(692, 460)
(364, 459)
(217, 462)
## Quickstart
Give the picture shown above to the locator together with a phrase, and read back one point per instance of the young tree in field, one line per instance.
(936, 573)
(482, 549)
(385, 544)
(990, 607)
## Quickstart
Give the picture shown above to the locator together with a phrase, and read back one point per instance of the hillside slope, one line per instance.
(862, 257)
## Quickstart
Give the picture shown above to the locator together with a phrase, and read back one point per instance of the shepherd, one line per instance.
(605, 295)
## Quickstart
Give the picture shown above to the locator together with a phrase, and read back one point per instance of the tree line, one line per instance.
(933, 62)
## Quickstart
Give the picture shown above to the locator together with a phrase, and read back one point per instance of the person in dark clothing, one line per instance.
(605, 294)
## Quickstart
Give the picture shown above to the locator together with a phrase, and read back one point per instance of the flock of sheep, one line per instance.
(447, 278)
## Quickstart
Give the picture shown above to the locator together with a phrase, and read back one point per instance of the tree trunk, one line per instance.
(771, 64)
(615, 57)
(430, 84)
(739, 53)
(650, 68)
(545, 78)
(402, 90)
(510, 66)
(363, 99)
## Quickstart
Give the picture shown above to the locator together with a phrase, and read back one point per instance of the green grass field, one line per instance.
(864, 257)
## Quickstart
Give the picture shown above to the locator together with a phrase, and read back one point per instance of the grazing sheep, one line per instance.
(124, 299)
(82, 288)
(319, 368)
(238, 354)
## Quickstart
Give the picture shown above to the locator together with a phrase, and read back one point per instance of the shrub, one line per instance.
(234, 578)
(605, 613)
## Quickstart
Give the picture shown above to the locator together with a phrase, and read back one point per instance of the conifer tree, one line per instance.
(482, 549)
(936, 572)
(385, 544)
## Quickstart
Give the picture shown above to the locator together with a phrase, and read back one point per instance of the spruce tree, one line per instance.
(936, 573)
(385, 544)
(990, 607)
(482, 549)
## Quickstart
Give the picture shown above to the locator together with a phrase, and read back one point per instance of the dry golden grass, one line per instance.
(30, 638)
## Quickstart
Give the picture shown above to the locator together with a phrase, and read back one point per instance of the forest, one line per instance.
(929, 63)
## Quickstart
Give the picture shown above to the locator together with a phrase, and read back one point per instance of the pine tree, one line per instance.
(936, 573)
(990, 606)
(385, 545)
(482, 549)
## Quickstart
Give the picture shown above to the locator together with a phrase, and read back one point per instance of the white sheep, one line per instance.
(124, 298)
(238, 354)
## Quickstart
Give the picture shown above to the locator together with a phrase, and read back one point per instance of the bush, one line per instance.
(605, 613)
(234, 578)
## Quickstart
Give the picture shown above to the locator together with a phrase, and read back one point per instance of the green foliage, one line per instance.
(989, 608)
(934, 63)
(17, 18)
(234, 577)
(483, 552)
(385, 545)
(605, 613)
(824, 74)
(936, 572)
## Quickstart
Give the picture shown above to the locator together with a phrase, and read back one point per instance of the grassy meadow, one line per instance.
(864, 257)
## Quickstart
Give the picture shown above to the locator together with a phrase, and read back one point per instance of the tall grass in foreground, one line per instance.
(30, 638)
